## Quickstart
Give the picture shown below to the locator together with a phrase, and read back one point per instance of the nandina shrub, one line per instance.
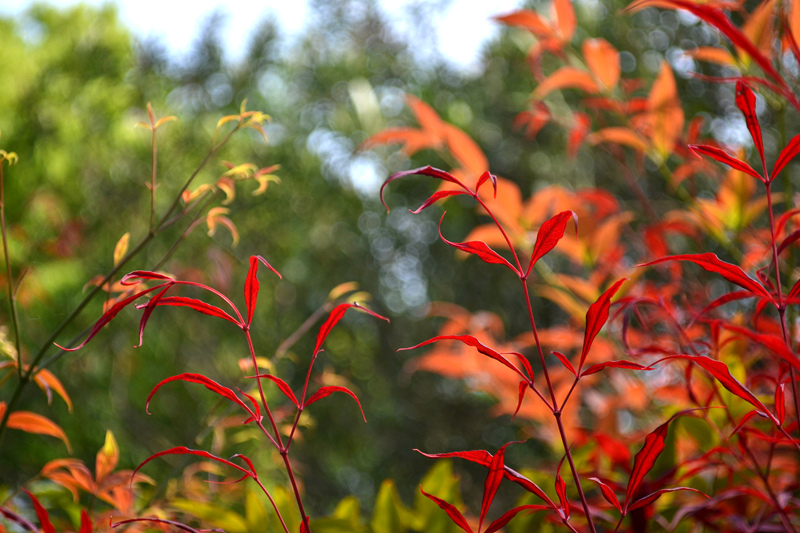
(719, 364)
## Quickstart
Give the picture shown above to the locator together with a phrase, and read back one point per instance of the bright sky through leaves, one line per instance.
(461, 29)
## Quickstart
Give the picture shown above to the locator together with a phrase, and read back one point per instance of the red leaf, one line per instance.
(608, 494)
(565, 361)
(613, 364)
(469, 340)
(724, 157)
(787, 154)
(484, 458)
(744, 420)
(492, 483)
(41, 512)
(183, 450)
(780, 402)
(487, 176)
(596, 317)
(720, 371)
(561, 489)
(454, 514)
(549, 234)
(327, 391)
(506, 518)
(478, 248)
(281, 385)
(109, 315)
(790, 239)
(712, 263)
(198, 305)
(86, 523)
(436, 197)
(251, 284)
(523, 385)
(210, 385)
(650, 498)
(336, 315)
(774, 343)
(646, 458)
(424, 171)
(746, 102)
(148, 310)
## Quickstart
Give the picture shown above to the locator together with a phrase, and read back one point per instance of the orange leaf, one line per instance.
(759, 28)
(566, 78)
(666, 113)
(603, 61)
(48, 381)
(107, 457)
(564, 17)
(529, 20)
(33, 423)
(412, 139)
(623, 136)
(464, 149)
(712, 54)
(426, 117)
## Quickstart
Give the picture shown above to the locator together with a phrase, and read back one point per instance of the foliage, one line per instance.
(650, 392)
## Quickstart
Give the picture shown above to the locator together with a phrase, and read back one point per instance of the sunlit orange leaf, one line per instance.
(623, 136)
(581, 124)
(759, 28)
(534, 119)
(412, 139)
(566, 78)
(107, 457)
(713, 54)
(426, 117)
(666, 114)
(464, 149)
(215, 216)
(564, 16)
(603, 61)
(48, 381)
(33, 423)
(527, 19)
(121, 248)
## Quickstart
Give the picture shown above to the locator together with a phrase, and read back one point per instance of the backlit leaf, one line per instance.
(596, 317)
(646, 457)
(454, 514)
(492, 483)
(608, 493)
(527, 19)
(44, 517)
(724, 157)
(208, 383)
(121, 248)
(183, 450)
(566, 78)
(603, 61)
(282, 385)
(622, 136)
(746, 102)
(435, 197)
(107, 457)
(650, 498)
(330, 389)
(712, 263)
(423, 171)
(479, 248)
(469, 340)
(787, 154)
(508, 515)
(564, 16)
(335, 316)
(34, 423)
(251, 284)
(550, 232)
(197, 305)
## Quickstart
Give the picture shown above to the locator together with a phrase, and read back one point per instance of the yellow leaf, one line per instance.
(342, 289)
(121, 248)
(164, 120)
(263, 181)
(107, 457)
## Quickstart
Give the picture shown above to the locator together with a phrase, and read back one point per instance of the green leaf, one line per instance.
(389, 515)
(213, 515)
